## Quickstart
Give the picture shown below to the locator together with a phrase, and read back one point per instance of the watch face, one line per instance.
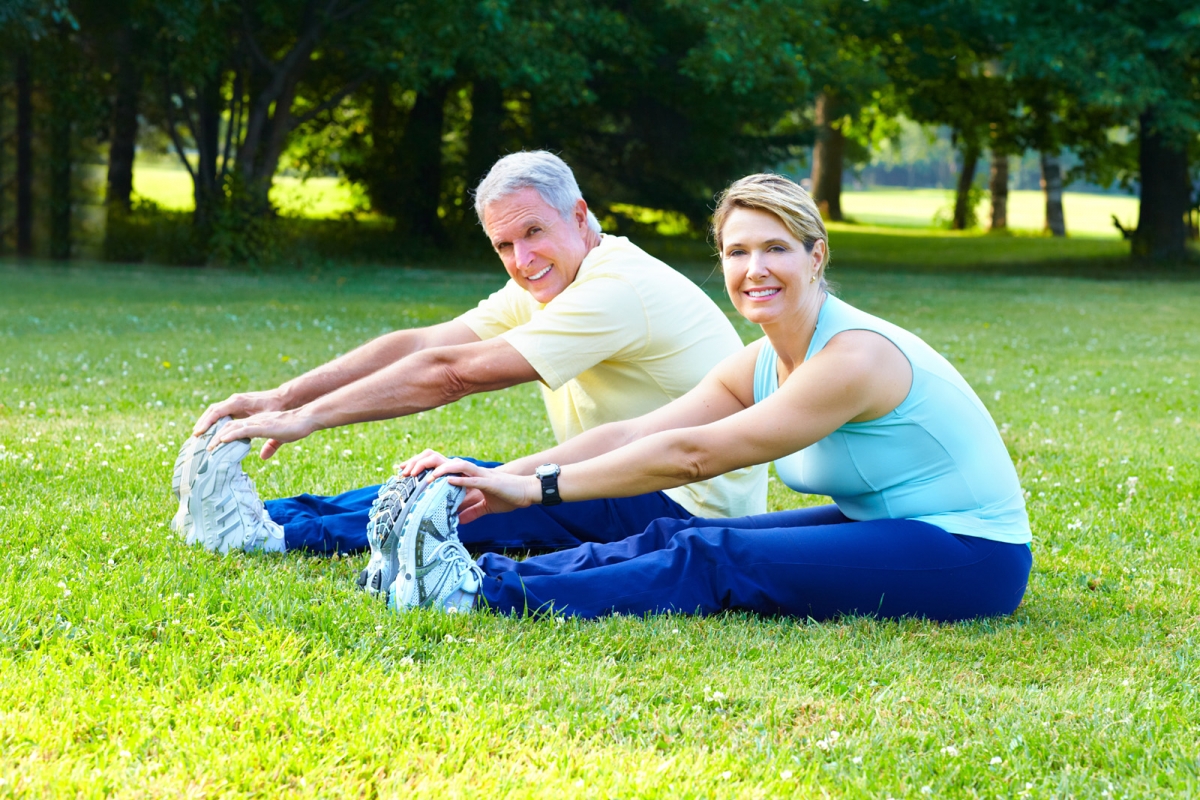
(546, 470)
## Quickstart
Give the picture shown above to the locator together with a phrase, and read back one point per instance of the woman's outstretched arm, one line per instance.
(859, 375)
(717, 396)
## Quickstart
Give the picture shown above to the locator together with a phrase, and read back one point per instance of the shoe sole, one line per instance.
(406, 585)
(216, 516)
(192, 457)
(388, 513)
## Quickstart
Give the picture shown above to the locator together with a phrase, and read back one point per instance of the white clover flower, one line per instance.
(950, 750)
(786, 775)
(996, 760)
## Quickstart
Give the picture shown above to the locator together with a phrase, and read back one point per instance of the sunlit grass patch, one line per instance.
(1087, 215)
(133, 665)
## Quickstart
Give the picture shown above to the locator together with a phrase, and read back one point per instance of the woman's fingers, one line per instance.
(426, 459)
(457, 466)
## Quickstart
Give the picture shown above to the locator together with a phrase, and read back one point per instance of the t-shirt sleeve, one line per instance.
(502, 310)
(586, 324)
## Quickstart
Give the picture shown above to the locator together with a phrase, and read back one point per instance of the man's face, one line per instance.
(541, 251)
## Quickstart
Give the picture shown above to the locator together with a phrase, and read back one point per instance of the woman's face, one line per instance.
(768, 273)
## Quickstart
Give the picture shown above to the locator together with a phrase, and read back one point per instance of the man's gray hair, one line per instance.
(537, 169)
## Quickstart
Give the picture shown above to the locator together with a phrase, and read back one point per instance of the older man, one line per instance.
(609, 331)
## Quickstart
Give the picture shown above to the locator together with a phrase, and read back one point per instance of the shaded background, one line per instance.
(272, 131)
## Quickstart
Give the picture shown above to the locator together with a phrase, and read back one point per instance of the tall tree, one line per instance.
(829, 154)
(24, 136)
(998, 189)
(946, 62)
(1140, 62)
(256, 71)
(23, 25)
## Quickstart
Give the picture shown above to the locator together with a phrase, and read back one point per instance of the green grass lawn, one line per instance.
(1087, 215)
(319, 198)
(133, 665)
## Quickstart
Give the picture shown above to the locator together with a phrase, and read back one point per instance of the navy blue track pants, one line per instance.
(812, 562)
(338, 524)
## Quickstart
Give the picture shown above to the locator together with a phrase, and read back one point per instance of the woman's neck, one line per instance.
(791, 337)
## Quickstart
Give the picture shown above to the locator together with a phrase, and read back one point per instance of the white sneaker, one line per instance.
(435, 570)
(192, 457)
(226, 511)
(396, 498)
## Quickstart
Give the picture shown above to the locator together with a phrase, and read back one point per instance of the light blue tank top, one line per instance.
(937, 457)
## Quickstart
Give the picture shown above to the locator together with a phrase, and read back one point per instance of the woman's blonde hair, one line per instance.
(777, 195)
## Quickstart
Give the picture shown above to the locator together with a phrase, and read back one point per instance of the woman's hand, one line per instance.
(489, 491)
(426, 459)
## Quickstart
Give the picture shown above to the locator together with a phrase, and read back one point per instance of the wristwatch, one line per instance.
(548, 475)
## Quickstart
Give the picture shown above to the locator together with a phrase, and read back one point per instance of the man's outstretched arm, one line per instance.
(342, 371)
(421, 381)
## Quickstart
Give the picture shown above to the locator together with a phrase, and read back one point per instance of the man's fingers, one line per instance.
(206, 421)
(270, 448)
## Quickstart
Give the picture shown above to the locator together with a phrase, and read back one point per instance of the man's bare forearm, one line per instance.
(368, 359)
(423, 380)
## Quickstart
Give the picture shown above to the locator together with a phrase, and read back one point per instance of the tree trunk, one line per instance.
(123, 130)
(208, 140)
(380, 171)
(60, 179)
(964, 214)
(1052, 185)
(483, 141)
(421, 166)
(829, 153)
(1161, 233)
(999, 190)
(24, 157)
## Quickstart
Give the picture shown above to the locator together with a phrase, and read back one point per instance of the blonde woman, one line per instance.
(928, 517)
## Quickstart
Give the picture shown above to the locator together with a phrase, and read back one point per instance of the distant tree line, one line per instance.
(656, 103)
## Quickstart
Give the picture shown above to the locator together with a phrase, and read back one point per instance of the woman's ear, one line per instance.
(819, 254)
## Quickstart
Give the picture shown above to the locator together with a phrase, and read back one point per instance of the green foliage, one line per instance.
(976, 194)
(133, 665)
(31, 20)
(242, 230)
(154, 234)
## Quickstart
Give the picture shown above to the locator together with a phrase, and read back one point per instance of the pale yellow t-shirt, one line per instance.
(628, 335)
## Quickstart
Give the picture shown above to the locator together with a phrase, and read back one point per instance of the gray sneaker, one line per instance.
(396, 498)
(435, 570)
(224, 505)
(192, 457)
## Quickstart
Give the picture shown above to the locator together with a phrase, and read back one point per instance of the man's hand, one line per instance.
(243, 404)
(277, 427)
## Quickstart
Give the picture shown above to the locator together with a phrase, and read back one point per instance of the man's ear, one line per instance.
(581, 212)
